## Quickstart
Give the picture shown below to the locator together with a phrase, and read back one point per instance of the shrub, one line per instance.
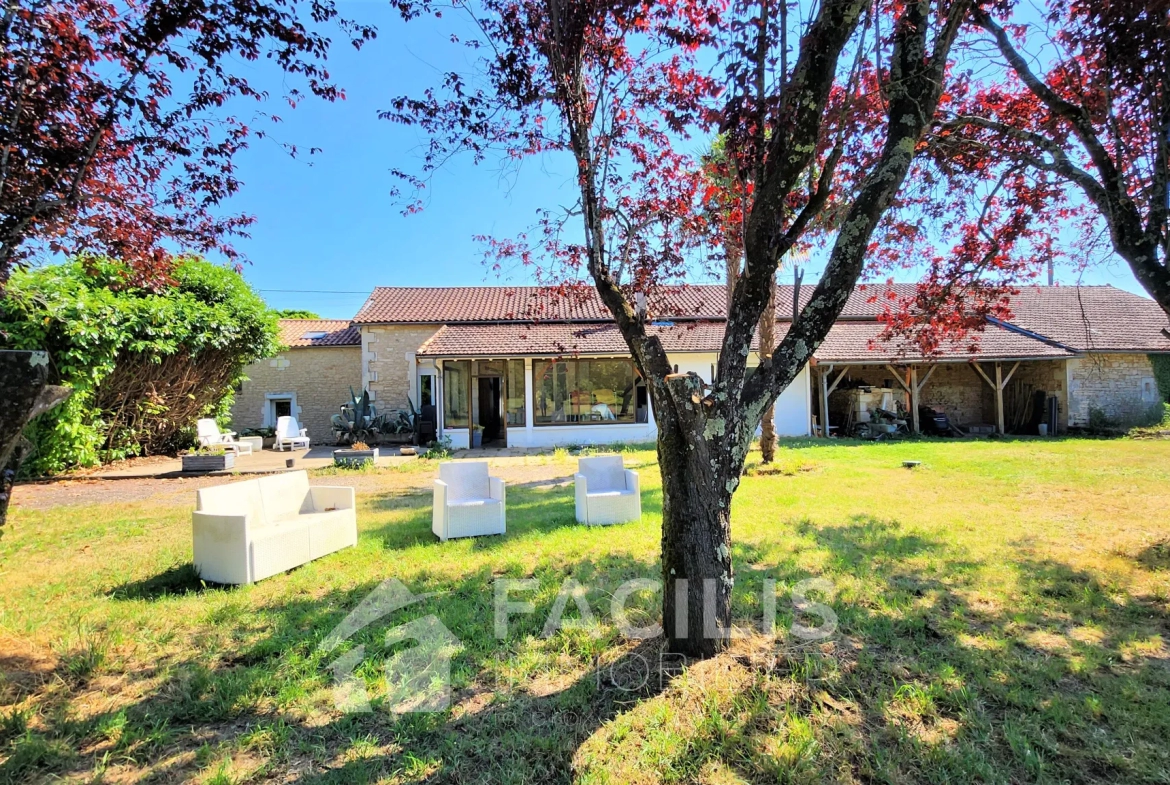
(1161, 363)
(1159, 426)
(144, 364)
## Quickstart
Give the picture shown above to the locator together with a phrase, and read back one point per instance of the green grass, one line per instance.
(1002, 617)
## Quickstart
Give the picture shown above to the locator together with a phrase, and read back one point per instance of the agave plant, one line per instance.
(398, 421)
(358, 420)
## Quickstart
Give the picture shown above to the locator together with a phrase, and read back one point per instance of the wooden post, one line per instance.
(998, 385)
(917, 387)
(914, 398)
(825, 400)
(999, 399)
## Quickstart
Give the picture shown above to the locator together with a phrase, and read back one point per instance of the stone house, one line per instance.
(309, 380)
(524, 366)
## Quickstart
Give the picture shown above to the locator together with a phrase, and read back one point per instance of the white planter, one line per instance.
(257, 442)
(209, 463)
(354, 457)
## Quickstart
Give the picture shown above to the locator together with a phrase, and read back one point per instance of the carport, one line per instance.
(970, 381)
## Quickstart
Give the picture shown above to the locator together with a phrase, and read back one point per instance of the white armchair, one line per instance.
(209, 435)
(468, 502)
(290, 433)
(607, 492)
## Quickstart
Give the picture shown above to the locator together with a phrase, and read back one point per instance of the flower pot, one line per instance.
(209, 463)
(476, 438)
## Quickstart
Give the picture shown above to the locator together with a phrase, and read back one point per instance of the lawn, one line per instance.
(1002, 617)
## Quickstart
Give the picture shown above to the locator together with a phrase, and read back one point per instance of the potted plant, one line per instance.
(476, 436)
(358, 454)
(209, 459)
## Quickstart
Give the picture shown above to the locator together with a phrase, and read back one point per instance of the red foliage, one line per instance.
(111, 134)
(1056, 133)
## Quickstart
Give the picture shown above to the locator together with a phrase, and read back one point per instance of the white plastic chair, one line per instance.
(209, 435)
(468, 501)
(607, 492)
(289, 432)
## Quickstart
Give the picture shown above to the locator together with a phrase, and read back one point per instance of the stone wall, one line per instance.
(957, 390)
(387, 362)
(1120, 385)
(1050, 376)
(318, 379)
(953, 388)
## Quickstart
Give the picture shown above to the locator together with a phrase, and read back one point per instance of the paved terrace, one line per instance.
(269, 461)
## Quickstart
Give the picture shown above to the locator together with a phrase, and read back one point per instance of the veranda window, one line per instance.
(586, 391)
(456, 378)
(515, 393)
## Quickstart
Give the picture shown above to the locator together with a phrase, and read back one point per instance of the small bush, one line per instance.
(438, 450)
(1100, 421)
(1159, 427)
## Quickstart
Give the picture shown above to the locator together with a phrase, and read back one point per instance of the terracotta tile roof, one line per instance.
(850, 342)
(337, 332)
(1089, 318)
(846, 342)
(455, 304)
(1092, 318)
(508, 340)
(461, 304)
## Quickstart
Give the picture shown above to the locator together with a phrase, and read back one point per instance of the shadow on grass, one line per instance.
(1155, 557)
(176, 581)
(929, 678)
(521, 704)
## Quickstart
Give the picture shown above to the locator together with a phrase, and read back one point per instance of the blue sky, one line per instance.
(327, 223)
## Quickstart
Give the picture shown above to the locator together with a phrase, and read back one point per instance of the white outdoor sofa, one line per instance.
(290, 433)
(247, 531)
(468, 502)
(607, 492)
(209, 435)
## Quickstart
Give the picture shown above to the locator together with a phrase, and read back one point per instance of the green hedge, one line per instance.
(144, 363)
(1161, 363)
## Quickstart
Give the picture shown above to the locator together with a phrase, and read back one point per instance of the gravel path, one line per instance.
(528, 471)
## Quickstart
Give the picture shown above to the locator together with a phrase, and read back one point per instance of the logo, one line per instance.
(418, 678)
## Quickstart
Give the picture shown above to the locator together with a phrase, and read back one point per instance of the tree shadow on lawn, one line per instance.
(929, 678)
(223, 698)
(953, 684)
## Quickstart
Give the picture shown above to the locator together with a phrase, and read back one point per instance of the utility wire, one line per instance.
(310, 291)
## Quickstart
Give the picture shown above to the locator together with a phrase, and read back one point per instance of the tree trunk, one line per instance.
(24, 393)
(701, 451)
(767, 346)
(696, 546)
